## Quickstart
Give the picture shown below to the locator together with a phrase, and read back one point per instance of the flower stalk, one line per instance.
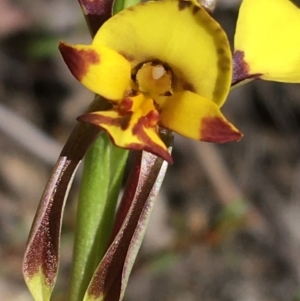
(101, 180)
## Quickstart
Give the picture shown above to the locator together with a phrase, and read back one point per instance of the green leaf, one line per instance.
(121, 4)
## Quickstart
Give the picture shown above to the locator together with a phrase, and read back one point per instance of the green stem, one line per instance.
(128, 3)
(121, 4)
(102, 176)
(118, 6)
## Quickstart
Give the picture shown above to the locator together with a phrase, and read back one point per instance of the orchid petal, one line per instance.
(134, 128)
(180, 34)
(103, 71)
(196, 117)
(267, 42)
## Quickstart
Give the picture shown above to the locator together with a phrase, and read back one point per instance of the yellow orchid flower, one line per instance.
(267, 42)
(160, 64)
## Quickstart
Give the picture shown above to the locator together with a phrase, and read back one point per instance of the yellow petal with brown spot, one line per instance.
(268, 40)
(196, 117)
(102, 70)
(180, 34)
(133, 126)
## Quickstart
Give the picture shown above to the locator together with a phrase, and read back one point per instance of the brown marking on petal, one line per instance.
(221, 51)
(220, 42)
(187, 86)
(125, 106)
(241, 69)
(147, 144)
(125, 121)
(224, 64)
(154, 149)
(95, 119)
(196, 9)
(78, 61)
(183, 4)
(167, 93)
(133, 93)
(152, 119)
(138, 130)
(218, 92)
(218, 130)
(218, 30)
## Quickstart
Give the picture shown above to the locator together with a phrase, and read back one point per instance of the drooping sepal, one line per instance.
(111, 277)
(41, 259)
(102, 70)
(42, 253)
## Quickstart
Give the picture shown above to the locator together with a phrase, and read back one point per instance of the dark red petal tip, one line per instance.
(218, 130)
(78, 60)
(241, 69)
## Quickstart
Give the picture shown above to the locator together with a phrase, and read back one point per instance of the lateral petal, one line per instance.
(101, 70)
(196, 117)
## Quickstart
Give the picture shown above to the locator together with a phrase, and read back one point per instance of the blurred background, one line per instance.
(226, 225)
